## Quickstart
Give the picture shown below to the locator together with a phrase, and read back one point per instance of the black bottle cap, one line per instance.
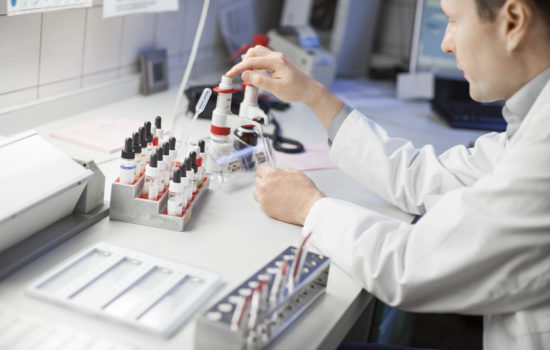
(188, 164)
(166, 148)
(160, 154)
(195, 166)
(136, 140)
(183, 170)
(148, 134)
(172, 143)
(127, 151)
(202, 145)
(177, 176)
(142, 137)
(158, 122)
(153, 161)
(193, 155)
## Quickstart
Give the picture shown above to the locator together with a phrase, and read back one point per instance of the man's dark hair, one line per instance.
(487, 8)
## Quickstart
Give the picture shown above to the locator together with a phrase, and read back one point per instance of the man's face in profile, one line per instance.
(478, 49)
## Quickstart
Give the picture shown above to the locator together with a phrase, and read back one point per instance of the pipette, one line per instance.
(203, 100)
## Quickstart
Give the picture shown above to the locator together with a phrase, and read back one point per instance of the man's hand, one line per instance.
(287, 82)
(285, 194)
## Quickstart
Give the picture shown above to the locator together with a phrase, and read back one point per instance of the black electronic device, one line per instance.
(193, 95)
(453, 103)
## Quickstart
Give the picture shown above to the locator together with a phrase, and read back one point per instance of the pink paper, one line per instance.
(105, 134)
(314, 158)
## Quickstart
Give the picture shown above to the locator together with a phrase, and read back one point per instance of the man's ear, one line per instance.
(515, 20)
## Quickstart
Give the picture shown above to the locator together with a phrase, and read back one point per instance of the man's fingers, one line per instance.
(264, 169)
(256, 51)
(251, 64)
(254, 63)
(259, 80)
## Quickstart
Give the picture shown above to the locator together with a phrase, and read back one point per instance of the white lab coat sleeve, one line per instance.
(408, 177)
(483, 249)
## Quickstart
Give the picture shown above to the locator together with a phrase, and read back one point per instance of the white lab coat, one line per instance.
(483, 245)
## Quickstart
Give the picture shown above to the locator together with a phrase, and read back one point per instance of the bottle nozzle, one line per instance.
(153, 161)
(136, 142)
(160, 154)
(188, 164)
(142, 136)
(177, 176)
(128, 150)
(226, 83)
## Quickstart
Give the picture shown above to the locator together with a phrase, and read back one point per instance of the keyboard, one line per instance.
(22, 332)
(470, 115)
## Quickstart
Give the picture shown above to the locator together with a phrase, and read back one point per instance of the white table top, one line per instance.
(232, 240)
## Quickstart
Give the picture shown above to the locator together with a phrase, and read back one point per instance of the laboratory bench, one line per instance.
(228, 233)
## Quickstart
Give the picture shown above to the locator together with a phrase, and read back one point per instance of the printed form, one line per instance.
(113, 8)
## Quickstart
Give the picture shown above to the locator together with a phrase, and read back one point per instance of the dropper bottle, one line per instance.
(202, 159)
(185, 183)
(143, 143)
(160, 160)
(137, 154)
(190, 188)
(175, 195)
(167, 162)
(173, 155)
(149, 138)
(151, 184)
(195, 175)
(159, 132)
(193, 157)
(155, 138)
(127, 164)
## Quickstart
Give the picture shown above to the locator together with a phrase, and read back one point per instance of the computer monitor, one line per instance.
(429, 30)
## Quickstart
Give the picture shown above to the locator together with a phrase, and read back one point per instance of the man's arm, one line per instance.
(479, 250)
(409, 177)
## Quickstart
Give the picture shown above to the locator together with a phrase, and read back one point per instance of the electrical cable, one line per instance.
(279, 141)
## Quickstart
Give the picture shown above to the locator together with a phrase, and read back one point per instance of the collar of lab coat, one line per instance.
(516, 108)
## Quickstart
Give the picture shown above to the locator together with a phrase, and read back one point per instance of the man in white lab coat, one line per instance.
(483, 244)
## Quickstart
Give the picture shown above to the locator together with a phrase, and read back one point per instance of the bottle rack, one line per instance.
(128, 206)
(216, 327)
